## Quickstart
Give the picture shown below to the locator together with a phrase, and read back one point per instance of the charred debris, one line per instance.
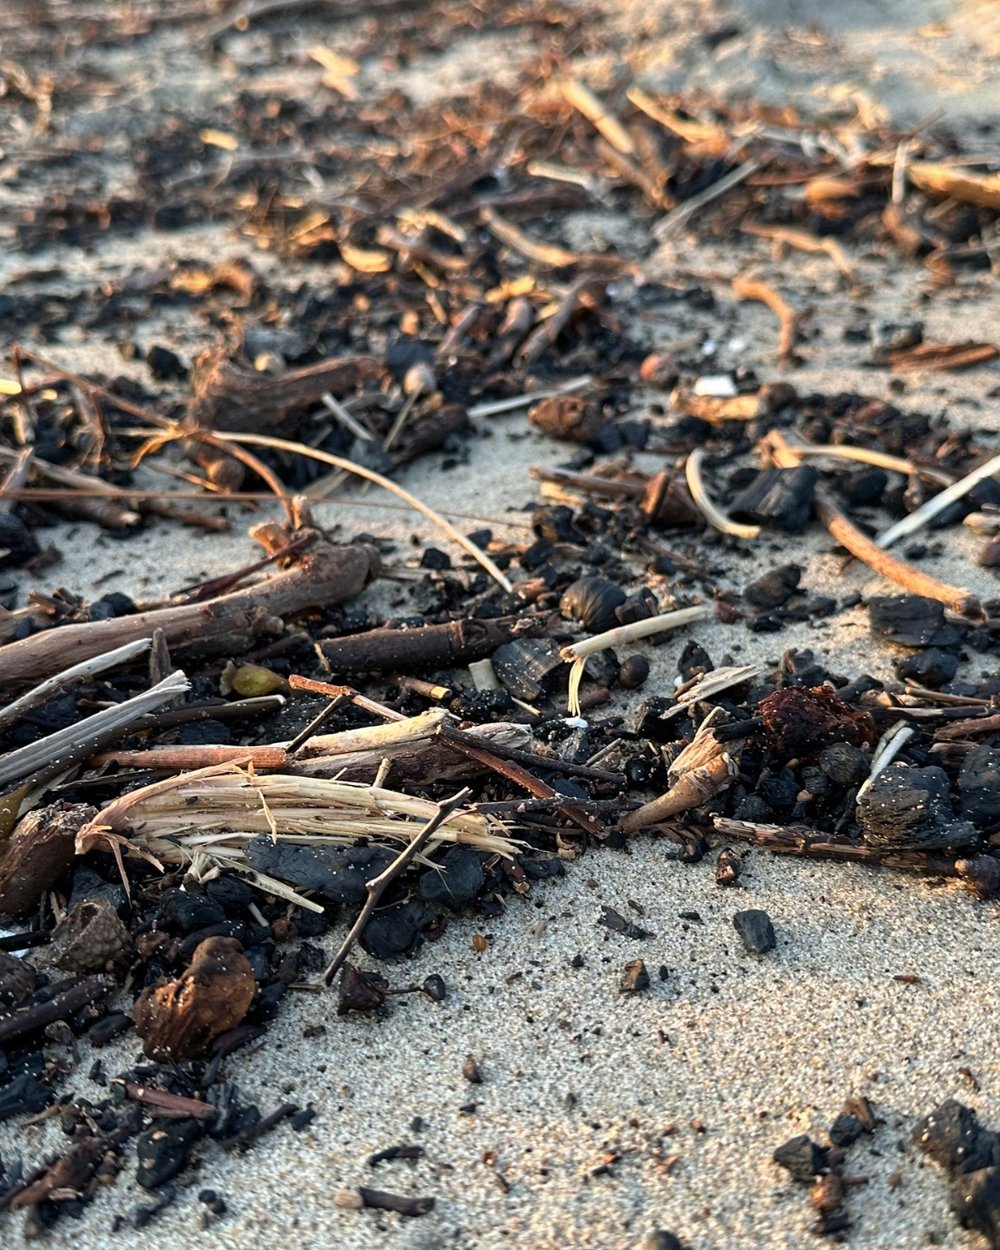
(193, 790)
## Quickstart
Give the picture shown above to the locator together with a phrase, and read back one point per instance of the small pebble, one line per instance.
(634, 978)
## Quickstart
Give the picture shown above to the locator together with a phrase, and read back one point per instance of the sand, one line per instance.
(602, 1116)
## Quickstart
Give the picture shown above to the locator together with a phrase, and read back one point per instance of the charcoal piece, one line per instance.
(633, 672)
(457, 882)
(634, 977)
(862, 487)
(844, 764)
(89, 885)
(908, 808)
(975, 1200)
(396, 930)
(773, 588)
(639, 606)
(694, 661)
(754, 809)
(617, 923)
(979, 786)
(17, 980)
(802, 1158)
(182, 911)
(662, 1239)
(778, 788)
(554, 524)
(406, 352)
(24, 1095)
(952, 1136)
(911, 621)
(981, 875)
(815, 781)
(933, 668)
(165, 365)
(543, 869)
(528, 668)
(17, 543)
(163, 1150)
(232, 893)
(755, 930)
(338, 874)
(652, 720)
(108, 1028)
(845, 1130)
(781, 497)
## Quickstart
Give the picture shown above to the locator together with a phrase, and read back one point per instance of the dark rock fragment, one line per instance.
(24, 1095)
(232, 893)
(339, 874)
(471, 1071)
(933, 668)
(908, 808)
(458, 880)
(773, 588)
(911, 621)
(163, 1150)
(755, 930)
(979, 786)
(396, 930)
(528, 668)
(782, 497)
(634, 978)
(981, 874)
(802, 1158)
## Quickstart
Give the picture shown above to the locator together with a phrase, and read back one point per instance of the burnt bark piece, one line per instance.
(38, 852)
(229, 396)
(979, 786)
(426, 647)
(179, 1019)
(323, 575)
(782, 497)
(975, 1200)
(907, 808)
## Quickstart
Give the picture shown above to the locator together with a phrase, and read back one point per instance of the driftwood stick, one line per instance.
(786, 840)
(325, 575)
(66, 747)
(378, 885)
(754, 289)
(67, 679)
(426, 647)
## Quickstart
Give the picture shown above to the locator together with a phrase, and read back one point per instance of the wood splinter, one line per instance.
(755, 289)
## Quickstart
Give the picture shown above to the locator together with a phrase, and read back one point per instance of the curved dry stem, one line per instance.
(713, 515)
(348, 466)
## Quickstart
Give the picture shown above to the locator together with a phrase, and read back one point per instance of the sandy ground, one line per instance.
(603, 1116)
